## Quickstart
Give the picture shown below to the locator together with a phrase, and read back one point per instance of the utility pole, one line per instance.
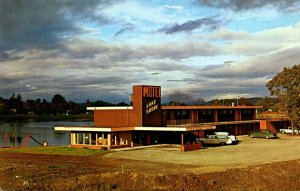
(228, 63)
(155, 73)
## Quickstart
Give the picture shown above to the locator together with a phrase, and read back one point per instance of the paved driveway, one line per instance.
(250, 151)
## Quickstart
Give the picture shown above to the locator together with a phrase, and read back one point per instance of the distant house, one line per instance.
(146, 122)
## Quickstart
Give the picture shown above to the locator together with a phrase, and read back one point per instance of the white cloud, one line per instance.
(174, 7)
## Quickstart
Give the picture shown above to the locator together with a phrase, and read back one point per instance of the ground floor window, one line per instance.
(101, 138)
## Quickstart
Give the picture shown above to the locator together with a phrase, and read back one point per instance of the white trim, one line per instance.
(160, 128)
(109, 129)
(116, 129)
(109, 108)
(85, 129)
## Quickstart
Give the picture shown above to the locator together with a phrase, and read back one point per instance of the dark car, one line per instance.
(262, 134)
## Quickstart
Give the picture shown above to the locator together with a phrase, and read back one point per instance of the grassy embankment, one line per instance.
(55, 150)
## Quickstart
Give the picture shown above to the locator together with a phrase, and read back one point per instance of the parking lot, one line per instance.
(250, 151)
(250, 165)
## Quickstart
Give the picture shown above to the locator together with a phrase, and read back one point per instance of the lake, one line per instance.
(17, 134)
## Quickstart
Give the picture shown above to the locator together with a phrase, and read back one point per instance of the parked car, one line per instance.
(262, 134)
(233, 138)
(215, 140)
(289, 130)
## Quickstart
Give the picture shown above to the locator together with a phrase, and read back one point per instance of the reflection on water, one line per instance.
(35, 133)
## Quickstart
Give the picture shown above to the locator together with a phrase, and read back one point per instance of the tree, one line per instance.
(216, 102)
(88, 103)
(122, 104)
(101, 103)
(16, 103)
(243, 101)
(286, 87)
(29, 105)
(45, 107)
(174, 103)
(59, 104)
(38, 106)
(268, 104)
(58, 99)
(3, 106)
(73, 108)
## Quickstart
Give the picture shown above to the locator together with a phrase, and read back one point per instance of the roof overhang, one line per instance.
(197, 107)
(120, 129)
(110, 108)
(176, 128)
(93, 129)
(231, 122)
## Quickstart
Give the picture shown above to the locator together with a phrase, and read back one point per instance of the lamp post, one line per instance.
(155, 73)
(228, 63)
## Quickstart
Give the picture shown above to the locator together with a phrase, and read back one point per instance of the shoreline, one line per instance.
(43, 118)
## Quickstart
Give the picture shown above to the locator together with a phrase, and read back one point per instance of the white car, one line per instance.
(289, 130)
(233, 138)
(215, 140)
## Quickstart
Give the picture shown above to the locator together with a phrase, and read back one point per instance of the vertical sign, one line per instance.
(151, 105)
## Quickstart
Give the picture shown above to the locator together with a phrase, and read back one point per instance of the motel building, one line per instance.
(146, 122)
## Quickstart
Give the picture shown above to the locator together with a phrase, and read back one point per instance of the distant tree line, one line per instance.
(185, 99)
(267, 103)
(57, 105)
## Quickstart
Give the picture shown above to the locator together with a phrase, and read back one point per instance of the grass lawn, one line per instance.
(55, 150)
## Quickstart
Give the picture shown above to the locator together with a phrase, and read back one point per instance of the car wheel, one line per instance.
(202, 143)
(222, 143)
(282, 132)
(267, 137)
(251, 136)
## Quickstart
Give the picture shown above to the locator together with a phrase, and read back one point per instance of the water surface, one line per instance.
(14, 134)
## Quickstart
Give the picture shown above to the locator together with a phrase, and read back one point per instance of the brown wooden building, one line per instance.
(146, 122)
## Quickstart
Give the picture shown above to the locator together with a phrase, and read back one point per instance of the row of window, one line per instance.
(186, 113)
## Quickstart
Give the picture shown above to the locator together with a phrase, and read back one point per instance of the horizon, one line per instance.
(164, 101)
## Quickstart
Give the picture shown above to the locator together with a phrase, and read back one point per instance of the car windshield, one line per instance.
(223, 137)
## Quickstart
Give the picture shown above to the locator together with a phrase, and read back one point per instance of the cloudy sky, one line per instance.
(98, 49)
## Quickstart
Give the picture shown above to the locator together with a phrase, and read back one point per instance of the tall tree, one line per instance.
(3, 106)
(59, 104)
(268, 103)
(16, 103)
(58, 99)
(286, 87)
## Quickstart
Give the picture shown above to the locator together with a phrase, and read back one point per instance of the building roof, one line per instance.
(111, 108)
(181, 128)
(209, 107)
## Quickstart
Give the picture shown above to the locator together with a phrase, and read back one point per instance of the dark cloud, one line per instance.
(242, 5)
(4, 56)
(182, 97)
(178, 50)
(112, 53)
(264, 66)
(126, 27)
(166, 66)
(44, 24)
(111, 88)
(207, 23)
